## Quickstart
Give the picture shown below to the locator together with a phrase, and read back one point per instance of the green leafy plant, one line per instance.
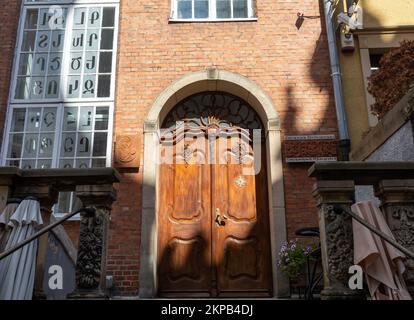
(293, 257)
(393, 79)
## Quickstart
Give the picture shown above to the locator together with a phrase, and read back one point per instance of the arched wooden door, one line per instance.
(213, 214)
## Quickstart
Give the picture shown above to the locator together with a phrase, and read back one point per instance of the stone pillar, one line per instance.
(278, 213)
(336, 237)
(91, 261)
(397, 203)
(148, 254)
(47, 197)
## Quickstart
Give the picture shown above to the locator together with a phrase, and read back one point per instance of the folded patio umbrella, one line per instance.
(5, 229)
(382, 263)
(17, 271)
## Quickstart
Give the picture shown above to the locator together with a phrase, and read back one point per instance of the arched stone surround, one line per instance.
(238, 85)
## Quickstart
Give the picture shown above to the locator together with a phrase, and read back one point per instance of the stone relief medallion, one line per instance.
(127, 151)
(240, 181)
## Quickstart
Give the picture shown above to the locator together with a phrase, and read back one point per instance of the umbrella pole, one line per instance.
(379, 233)
(89, 211)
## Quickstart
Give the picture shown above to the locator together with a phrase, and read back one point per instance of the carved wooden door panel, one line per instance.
(184, 223)
(241, 244)
(213, 228)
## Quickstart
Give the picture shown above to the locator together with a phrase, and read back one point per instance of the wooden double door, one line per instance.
(213, 215)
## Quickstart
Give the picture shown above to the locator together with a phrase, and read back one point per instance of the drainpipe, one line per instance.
(344, 142)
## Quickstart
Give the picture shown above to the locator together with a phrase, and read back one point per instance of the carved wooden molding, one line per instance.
(127, 151)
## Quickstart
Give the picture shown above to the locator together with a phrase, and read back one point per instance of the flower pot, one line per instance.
(298, 285)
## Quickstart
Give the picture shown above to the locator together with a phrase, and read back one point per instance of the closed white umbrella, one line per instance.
(382, 263)
(5, 229)
(17, 271)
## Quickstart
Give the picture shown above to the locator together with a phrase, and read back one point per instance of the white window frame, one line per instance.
(59, 129)
(58, 134)
(212, 16)
(66, 53)
(61, 102)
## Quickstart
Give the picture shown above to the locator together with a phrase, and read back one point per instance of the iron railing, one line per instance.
(373, 229)
(87, 211)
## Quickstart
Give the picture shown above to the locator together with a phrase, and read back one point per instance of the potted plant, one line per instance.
(293, 257)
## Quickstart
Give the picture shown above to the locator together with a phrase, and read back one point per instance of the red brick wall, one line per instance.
(9, 21)
(290, 65)
(72, 229)
(124, 235)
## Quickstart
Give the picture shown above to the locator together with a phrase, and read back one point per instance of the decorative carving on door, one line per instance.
(240, 181)
(240, 153)
(213, 223)
(189, 267)
(235, 264)
(214, 110)
(187, 184)
(187, 154)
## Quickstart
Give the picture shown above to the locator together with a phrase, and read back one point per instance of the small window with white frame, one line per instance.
(212, 10)
(60, 113)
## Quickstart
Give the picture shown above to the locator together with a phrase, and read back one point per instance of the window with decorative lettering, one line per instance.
(91, 53)
(84, 137)
(62, 93)
(62, 97)
(41, 55)
(32, 137)
(66, 53)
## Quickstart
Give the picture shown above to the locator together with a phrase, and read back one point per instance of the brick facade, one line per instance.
(290, 65)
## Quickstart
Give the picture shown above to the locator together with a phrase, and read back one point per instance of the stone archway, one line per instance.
(237, 85)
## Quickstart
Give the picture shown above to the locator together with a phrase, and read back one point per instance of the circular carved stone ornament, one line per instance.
(127, 151)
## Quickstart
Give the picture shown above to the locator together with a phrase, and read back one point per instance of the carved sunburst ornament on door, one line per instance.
(240, 181)
(211, 122)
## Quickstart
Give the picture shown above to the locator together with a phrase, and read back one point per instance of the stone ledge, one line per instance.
(59, 178)
(379, 134)
(363, 172)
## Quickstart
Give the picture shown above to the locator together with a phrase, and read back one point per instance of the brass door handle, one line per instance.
(220, 220)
